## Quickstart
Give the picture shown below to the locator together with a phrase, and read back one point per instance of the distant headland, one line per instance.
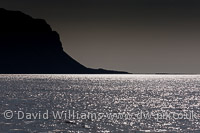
(29, 46)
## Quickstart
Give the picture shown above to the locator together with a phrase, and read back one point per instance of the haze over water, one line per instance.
(99, 103)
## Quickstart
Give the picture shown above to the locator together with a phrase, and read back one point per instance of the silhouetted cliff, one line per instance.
(29, 45)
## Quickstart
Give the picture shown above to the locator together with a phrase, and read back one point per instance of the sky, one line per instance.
(137, 36)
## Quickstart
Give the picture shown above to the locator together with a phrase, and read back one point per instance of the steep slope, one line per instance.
(29, 45)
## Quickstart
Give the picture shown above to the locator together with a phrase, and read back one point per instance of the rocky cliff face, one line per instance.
(29, 45)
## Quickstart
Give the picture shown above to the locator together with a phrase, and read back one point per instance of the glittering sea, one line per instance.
(99, 103)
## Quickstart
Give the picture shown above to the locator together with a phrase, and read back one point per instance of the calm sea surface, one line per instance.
(99, 103)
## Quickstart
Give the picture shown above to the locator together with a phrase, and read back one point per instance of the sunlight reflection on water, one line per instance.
(107, 95)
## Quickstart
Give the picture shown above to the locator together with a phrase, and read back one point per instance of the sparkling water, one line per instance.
(99, 103)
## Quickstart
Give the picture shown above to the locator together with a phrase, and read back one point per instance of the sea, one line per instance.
(131, 103)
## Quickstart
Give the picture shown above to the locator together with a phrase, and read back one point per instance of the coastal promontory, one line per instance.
(30, 46)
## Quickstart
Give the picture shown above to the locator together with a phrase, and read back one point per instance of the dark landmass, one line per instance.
(29, 46)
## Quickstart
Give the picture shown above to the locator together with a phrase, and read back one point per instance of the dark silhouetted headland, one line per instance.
(29, 46)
